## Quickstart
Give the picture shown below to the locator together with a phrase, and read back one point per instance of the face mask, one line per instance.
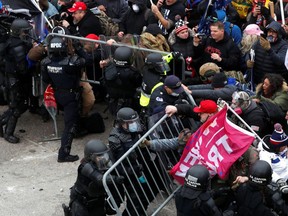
(135, 8)
(133, 127)
(271, 39)
(174, 94)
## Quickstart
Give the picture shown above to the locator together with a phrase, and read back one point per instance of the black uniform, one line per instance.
(121, 84)
(17, 83)
(64, 75)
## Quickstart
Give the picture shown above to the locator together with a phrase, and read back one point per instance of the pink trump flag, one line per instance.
(217, 144)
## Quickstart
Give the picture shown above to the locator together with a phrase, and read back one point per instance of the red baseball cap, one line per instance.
(206, 106)
(77, 6)
(93, 36)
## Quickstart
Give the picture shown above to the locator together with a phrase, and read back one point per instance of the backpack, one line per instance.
(109, 27)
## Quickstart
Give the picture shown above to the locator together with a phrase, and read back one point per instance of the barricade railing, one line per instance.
(107, 51)
(147, 186)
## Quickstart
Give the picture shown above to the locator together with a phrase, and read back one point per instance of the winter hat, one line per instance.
(219, 80)
(278, 137)
(253, 29)
(180, 25)
(153, 29)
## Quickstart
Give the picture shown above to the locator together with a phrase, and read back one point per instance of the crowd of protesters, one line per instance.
(210, 51)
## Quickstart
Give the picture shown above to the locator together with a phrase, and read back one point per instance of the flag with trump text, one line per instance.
(217, 144)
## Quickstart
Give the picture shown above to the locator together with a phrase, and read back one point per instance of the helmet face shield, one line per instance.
(102, 161)
(162, 67)
(132, 125)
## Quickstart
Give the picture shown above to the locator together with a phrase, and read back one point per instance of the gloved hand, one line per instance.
(119, 179)
(265, 44)
(250, 64)
(283, 187)
(77, 45)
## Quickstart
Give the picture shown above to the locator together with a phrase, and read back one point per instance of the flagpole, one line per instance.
(38, 7)
(248, 126)
(282, 12)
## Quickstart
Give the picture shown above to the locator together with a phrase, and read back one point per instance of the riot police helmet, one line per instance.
(241, 100)
(20, 27)
(155, 61)
(128, 119)
(57, 46)
(97, 152)
(197, 177)
(123, 56)
(260, 173)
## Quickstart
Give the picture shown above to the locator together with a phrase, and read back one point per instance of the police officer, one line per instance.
(250, 196)
(88, 195)
(154, 73)
(167, 94)
(16, 76)
(194, 196)
(125, 133)
(121, 80)
(63, 72)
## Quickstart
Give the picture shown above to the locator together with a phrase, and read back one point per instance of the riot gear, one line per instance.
(240, 100)
(57, 46)
(260, 173)
(128, 119)
(197, 177)
(123, 57)
(99, 153)
(19, 27)
(155, 61)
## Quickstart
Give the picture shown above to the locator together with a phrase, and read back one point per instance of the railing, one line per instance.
(145, 191)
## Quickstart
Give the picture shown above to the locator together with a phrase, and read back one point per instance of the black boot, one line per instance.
(64, 151)
(9, 131)
(3, 121)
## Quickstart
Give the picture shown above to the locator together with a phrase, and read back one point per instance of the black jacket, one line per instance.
(89, 24)
(226, 48)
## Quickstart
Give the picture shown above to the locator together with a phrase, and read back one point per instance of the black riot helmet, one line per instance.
(128, 119)
(156, 62)
(260, 173)
(57, 46)
(97, 152)
(197, 177)
(20, 27)
(123, 56)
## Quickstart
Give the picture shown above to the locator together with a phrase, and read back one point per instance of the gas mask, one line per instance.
(135, 8)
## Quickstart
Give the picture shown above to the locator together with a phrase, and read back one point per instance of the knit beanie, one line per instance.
(278, 137)
(180, 25)
(219, 80)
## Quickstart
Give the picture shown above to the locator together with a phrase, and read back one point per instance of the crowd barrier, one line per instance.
(146, 190)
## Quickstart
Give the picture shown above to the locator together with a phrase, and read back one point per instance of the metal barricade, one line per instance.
(147, 186)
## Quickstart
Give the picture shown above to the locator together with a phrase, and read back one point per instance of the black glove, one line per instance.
(283, 187)
(119, 179)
